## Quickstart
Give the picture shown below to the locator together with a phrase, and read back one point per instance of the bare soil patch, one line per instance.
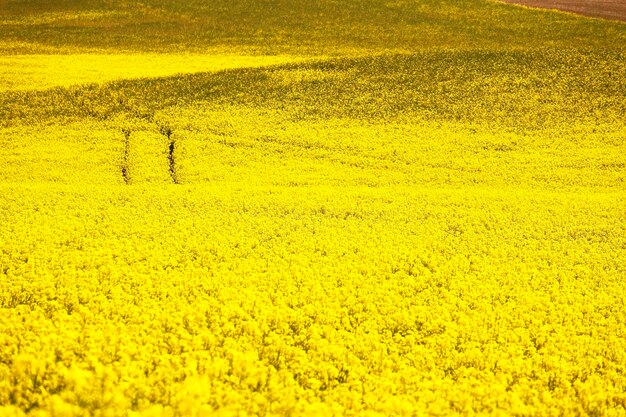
(606, 9)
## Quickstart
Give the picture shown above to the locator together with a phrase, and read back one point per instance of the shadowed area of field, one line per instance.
(518, 89)
(267, 27)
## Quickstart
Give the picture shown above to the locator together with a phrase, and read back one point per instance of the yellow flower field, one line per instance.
(280, 209)
(37, 72)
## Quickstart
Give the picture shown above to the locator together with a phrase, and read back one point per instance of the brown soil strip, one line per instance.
(606, 9)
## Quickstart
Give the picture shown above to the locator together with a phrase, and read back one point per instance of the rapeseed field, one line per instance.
(311, 208)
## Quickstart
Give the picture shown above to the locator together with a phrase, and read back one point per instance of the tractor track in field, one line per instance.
(126, 157)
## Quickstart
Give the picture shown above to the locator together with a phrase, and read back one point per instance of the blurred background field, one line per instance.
(319, 27)
(311, 208)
